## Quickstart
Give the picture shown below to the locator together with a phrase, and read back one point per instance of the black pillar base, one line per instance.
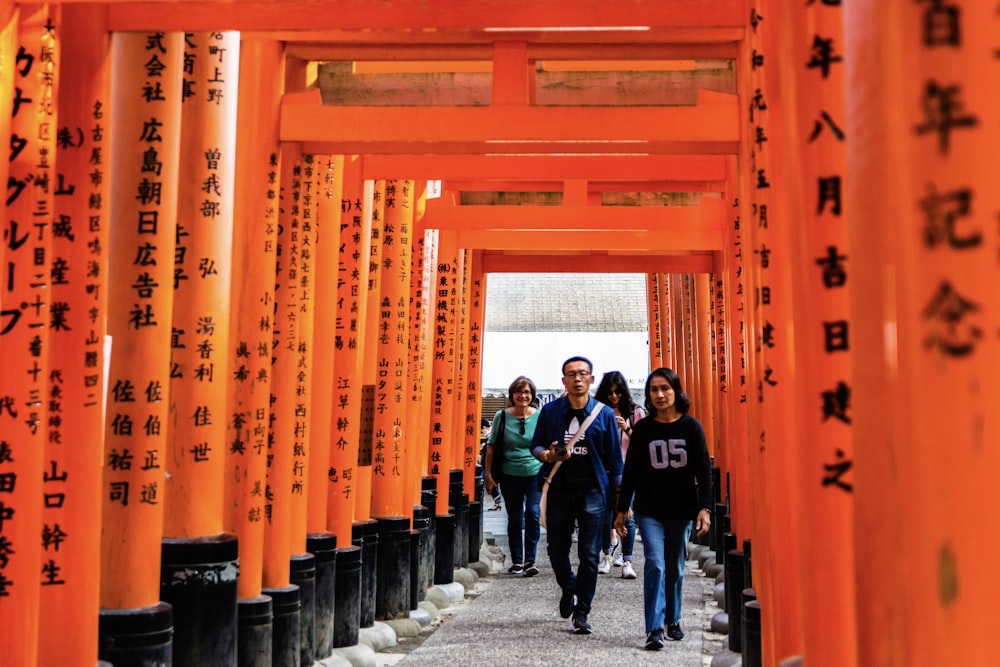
(365, 535)
(422, 565)
(286, 636)
(414, 596)
(444, 549)
(302, 573)
(734, 603)
(255, 626)
(324, 547)
(747, 563)
(198, 579)
(392, 597)
(752, 655)
(475, 531)
(347, 603)
(136, 637)
(460, 502)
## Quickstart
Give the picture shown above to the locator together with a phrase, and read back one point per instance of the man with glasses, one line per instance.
(583, 487)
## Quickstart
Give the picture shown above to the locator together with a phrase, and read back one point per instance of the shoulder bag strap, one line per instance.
(498, 432)
(576, 436)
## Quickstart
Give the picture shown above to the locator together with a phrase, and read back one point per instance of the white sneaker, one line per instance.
(619, 560)
(627, 571)
(604, 567)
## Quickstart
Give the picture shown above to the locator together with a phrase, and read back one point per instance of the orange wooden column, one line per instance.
(195, 454)
(144, 161)
(326, 256)
(678, 326)
(202, 269)
(693, 362)
(328, 172)
(71, 524)
(351, 308)
(417, 417)
(465, 457)
(199, 562)
(456, 438)
(759, 500)
(390, 437)
(9, 17)
(374, 202)
(421, 367)
(284, 380)
(811, 194)
(251, 338)
(146, 111)
(25, 321)
(653, 320)
(668, 344)
(707, 373)
(773, 226)
(440, 457)
(301, 270)
(928, 319)
(474, 370)
(733, 389)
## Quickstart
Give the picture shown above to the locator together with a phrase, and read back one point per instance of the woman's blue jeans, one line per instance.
(521, 496)
(664, 546)
(627, 542)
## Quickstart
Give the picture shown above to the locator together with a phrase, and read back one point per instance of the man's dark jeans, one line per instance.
(585, 508)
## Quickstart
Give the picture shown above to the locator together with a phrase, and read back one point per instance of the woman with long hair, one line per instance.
(668, 471)
(613, 391)
(511, 465)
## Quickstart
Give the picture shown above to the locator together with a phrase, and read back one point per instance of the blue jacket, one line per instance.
(604, 443)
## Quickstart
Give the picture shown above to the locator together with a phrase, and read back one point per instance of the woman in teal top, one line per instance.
(511, 465)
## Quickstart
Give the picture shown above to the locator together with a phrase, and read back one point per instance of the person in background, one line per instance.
(668, 470)
(484, 433)
(613, 391)
(510, 441)
(582, 488)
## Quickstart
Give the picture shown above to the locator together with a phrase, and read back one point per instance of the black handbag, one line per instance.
(498, 445)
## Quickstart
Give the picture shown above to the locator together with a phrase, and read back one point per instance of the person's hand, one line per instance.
(703, 523)
(620, 519)
(621, 422)
(489, 484)
(557, 452)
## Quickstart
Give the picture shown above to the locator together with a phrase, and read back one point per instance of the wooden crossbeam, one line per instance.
(602, 262)
(683, 241)
(707, 220)
(421, 15)
(593, 187)
(710, 128)
(481, 168)
(338, 47)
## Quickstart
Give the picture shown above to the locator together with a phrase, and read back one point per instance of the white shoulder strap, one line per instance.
(576, 436)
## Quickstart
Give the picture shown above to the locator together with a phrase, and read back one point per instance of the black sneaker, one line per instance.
(674, 632)
(566, 603)
(654, 640)
(530, 569)
(516, 568)
(580, 624)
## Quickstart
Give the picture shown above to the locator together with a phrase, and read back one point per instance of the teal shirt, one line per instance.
(518, 460)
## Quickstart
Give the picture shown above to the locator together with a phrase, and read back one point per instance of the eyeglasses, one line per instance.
(524, 391)
(615, 392)
(572, 375)
(521, 425)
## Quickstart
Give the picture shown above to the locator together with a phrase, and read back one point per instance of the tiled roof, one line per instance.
(602, 302)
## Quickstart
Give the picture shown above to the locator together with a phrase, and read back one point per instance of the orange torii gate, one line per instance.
(918, 239)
